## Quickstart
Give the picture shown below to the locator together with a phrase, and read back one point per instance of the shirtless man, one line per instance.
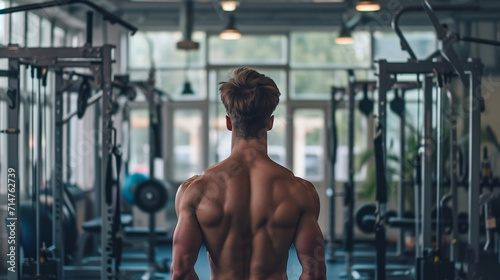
(247, 209)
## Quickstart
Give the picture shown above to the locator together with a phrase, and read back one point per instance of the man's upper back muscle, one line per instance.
(248, 213)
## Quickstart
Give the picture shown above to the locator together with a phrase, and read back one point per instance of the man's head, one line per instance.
(250, 98)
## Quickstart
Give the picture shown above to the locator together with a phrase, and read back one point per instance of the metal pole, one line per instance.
(427, 166)
(474, 156)
(383, 87)
(57, 182)
(402, 169)
(453, 176)
(14, 178)
(349, 191)
(439, 169)
(107, 260)
(333, 158)
(39, 170)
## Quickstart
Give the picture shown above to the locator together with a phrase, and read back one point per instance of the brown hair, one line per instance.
(250, 98)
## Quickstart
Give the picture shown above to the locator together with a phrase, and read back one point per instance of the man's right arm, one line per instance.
(308, 240)
(187, 235)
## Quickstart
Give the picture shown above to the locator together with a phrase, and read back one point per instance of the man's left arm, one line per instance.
(187, 238)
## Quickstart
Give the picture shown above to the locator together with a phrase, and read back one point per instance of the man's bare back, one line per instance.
(248, 210)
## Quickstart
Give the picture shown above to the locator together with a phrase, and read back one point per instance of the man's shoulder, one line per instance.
(189, 187)
(305, 192)
(304, 187)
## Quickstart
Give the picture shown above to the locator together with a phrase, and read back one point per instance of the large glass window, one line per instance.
(17, 28)
(46, 33)
(361, 139)
(175, 69)
(33, 35)
(173, 82)
(59, 36)
(139, 141)
(317, 83)
(250, 49)
(187, 143)
(308, 144)
(386, 45)
(4, 24)
(319, 49)
(163, 46)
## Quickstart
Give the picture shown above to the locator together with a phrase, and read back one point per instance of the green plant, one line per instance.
(368, 187)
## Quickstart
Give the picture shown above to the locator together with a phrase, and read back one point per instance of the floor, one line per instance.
(135, 264)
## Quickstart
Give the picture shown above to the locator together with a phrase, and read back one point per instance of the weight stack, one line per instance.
(3, 241)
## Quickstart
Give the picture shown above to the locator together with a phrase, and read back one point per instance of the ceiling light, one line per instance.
(230, 32)
(228, 5)
(367, 6)
(187, 89)
(344, 37)
(186, 23)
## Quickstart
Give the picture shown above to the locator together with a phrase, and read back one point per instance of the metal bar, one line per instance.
(381, 198)
(13, 218)
(68, 139)
(57, 175)
(91, 100)
(415, 67)
(333, 158)
(106, 122)
(427, 165)
(402, 170)
(453, 175)
(39, 169)
(474, 155)
(439, 159)
(395, 21)
(66, 52)
(479, 40)
(107, 15)
(383, 86)
(89, 27)
(6, 73)
(349, 192)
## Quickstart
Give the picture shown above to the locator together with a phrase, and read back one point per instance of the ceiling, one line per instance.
(272, 15)
(277, 15)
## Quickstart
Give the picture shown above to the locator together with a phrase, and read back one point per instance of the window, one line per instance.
(361, 139)
(250, 49)
(139, 141)
(33, 35)
(164, 49)
(59, 36)
(17, 28)
(4, 24)
(172, 82)
(317, 84)
(174, 68)
(319, 49)
(386, 45)
(46, 33)
(187, 143)
(308, 144)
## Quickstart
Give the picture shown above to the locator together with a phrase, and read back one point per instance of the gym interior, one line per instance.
(387, 107)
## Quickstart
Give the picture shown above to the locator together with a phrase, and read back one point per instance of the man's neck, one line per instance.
(249, 147)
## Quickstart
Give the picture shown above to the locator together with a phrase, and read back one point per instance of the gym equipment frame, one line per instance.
(99, 60)
(473, 68)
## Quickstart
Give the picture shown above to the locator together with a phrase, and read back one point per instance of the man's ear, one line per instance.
(229, 125)
(270, 123)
